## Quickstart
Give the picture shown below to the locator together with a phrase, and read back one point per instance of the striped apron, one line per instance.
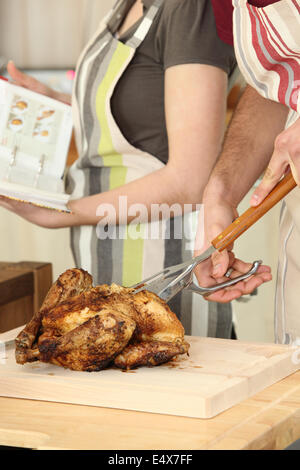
(107, 161)
(270, 62)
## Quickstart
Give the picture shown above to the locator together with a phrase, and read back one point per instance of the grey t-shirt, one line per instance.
(183, 32)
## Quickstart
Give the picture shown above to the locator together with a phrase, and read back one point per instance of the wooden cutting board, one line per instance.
(217, 375)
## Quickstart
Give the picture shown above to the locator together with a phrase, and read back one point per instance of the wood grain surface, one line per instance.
(23, 287)
(217, 375)
(269, 420)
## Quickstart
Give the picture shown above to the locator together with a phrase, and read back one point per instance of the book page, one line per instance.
(35, 134)
(36, 126)
(32, 126)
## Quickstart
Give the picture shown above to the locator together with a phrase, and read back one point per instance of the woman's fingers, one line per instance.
(10, 204)
(17, 76)
(26, 81)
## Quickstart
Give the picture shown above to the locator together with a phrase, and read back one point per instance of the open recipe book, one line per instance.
(35, 134)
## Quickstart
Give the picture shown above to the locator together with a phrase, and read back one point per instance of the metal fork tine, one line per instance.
(170, 281)
(172, 270)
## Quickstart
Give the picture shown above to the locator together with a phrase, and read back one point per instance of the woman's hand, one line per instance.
(26, 81)
(40, 216)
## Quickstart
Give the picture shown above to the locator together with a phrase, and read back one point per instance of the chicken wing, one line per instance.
(150, 353)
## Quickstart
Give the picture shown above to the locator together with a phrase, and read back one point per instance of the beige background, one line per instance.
(58, 30)
(255, 318)
(47, 33)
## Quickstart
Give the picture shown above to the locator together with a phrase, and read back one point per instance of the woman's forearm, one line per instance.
(141, 198)
(63, 97)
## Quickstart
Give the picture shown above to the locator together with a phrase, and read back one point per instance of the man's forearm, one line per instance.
(247, 148)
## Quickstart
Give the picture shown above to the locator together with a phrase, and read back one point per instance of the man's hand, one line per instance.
(218, 215)
(246, 152)
(206, 278)
(286, 155)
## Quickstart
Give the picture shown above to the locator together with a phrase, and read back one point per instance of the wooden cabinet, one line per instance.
(23, 287)
(73, 154)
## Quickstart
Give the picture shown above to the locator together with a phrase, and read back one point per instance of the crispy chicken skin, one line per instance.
(87, 328)
(150, 353)
(90, 346)
(72, 282)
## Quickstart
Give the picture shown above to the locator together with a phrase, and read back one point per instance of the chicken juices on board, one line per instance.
(88, 328)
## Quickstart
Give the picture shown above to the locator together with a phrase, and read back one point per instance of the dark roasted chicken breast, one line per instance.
(92, 345)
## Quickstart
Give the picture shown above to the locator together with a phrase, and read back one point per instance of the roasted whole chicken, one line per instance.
(88, 328)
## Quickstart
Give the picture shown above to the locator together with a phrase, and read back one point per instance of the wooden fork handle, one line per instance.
(253, 214)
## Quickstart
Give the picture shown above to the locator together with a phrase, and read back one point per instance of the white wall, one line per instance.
(255, 319)
(47, 33)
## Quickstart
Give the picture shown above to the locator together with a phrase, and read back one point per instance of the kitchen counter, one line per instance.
(268, 420)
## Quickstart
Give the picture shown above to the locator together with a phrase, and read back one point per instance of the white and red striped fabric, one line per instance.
(267, 45)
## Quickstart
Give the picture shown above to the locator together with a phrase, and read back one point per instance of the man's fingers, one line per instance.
(295, 167)
(240, 267)
(220, 260)
(275, 170)
(286, 154)
(220, 263)
(271, 177)
(241, 288)
(249, 285)
(223, 296)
